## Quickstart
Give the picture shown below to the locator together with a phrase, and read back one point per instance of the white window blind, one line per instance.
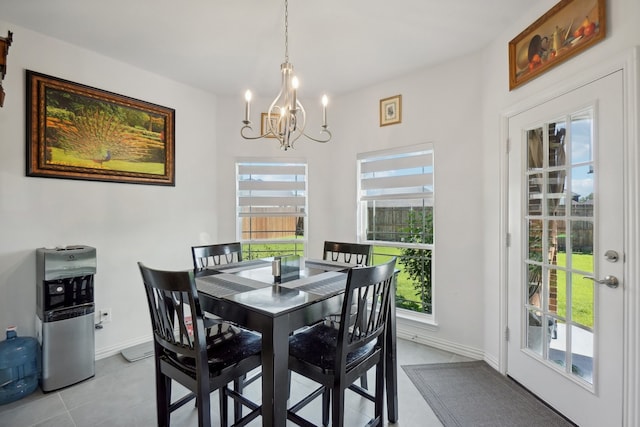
(405, 173)
(271, 200)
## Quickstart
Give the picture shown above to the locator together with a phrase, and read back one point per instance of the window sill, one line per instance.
(415, 319)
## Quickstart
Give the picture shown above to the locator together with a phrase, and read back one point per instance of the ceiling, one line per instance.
(228, 46)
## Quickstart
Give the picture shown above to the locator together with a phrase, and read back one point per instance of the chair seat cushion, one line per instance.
(317, 346)
(224, 350)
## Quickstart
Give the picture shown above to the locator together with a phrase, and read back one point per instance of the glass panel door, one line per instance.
(559, 300)
(565, 207)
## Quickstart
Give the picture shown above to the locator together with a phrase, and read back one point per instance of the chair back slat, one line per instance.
(350, 253)
(210, 255)
(368, 290)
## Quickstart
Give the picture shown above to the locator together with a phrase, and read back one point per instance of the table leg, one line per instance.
(275, 368)
(391, 362)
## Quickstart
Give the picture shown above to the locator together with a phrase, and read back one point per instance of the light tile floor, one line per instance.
(122, 395)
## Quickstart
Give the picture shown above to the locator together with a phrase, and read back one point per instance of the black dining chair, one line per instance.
(336, 358)
(218, 254)
(350, 253)
(214, 255)
(185, 354)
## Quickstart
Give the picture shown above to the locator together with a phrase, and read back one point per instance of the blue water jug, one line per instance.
(19, 366)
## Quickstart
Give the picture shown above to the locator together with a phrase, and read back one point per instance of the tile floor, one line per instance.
(122, 395)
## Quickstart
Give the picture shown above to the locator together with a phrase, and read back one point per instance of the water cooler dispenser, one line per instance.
(65, 314)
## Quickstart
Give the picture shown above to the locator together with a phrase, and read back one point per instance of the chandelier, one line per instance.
(286, 118)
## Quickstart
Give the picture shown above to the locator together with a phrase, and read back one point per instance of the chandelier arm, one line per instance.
(300, 109)
(248, 126)
(327, 139)
(300, 118)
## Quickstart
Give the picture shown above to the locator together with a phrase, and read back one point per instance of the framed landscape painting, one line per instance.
(80, 132)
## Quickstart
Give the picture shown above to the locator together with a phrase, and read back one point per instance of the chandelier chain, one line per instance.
(286, 30)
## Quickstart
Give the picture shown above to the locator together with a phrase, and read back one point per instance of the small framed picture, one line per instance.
(264, 127)
(391, 110)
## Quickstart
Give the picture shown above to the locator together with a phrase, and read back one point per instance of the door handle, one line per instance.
(610, 281)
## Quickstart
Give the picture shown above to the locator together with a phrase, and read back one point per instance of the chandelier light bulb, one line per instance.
(247, 107)
(325, 101)
(294, 96)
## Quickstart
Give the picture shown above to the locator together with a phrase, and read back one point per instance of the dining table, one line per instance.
(276, 296)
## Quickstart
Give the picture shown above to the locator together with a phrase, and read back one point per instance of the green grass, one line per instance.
(263, 250)
(69, 159)
(581, 289)
(405, 289)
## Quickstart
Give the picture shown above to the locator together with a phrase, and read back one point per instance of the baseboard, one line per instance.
(410, 333)
(403, 331)
(116, 349)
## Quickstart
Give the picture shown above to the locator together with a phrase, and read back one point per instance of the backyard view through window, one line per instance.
(396, 200)
(559, 304)
(271, 207)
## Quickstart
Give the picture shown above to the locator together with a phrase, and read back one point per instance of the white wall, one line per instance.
(622, 34)
(456, 106)
(440, 105)
(125, 222)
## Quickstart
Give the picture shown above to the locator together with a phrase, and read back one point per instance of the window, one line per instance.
(396, 200)
(271, 207)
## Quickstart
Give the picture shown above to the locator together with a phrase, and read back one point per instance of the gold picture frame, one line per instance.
(391, 110)
(263, 125)
(80, 132)
(568, 28)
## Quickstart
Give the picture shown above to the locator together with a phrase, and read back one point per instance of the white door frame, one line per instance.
(629, 63)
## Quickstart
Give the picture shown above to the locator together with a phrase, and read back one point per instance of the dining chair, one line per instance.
(185, 354)
(350, 253)
(336, 358)
(218, 254)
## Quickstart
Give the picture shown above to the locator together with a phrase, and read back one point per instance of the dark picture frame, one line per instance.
(568, 28)
(76, 131)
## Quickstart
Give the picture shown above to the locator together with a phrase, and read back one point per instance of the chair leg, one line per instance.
(363, 381)
(379, 396)
(337, 406)
(238, 385)
(163, 399)
(204, 405)
(224, 407)
(326, 401)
